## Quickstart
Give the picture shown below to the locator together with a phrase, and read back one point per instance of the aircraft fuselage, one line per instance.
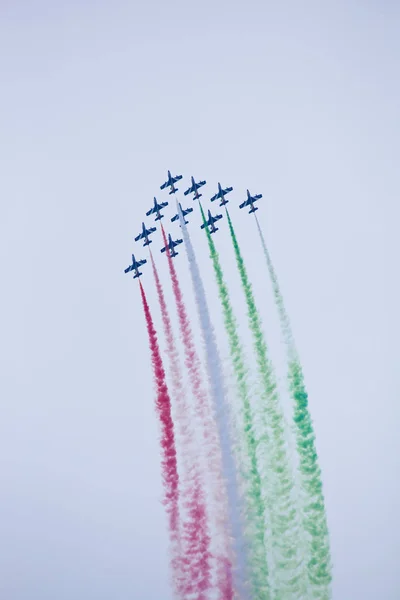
(159, 215)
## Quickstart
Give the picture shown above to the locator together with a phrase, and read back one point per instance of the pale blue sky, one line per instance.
(298, 101)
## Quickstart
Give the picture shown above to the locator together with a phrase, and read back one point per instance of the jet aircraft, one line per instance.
(185, 211)
(210, 222)
(135, 266)
(170, 183)
(250, 202)
(194, 189)
(221, 194)
(144, 235)
(171, 245)
(155, 210)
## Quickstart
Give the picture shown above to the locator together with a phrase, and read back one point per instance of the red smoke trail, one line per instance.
(192, 362)
(195, 526)
(168, 461)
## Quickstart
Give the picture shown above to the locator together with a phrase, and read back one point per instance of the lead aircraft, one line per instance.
(171, 245)
(210, 222)
(155, 210)
(135, 266)
(144, 235)
(250, 202)
(170, 183)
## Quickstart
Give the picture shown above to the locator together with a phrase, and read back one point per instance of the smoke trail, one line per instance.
(222, 414)
(196, 563)
(168, 451)
(290, 581)
(208, 430)
(255, 523)
(314, 517)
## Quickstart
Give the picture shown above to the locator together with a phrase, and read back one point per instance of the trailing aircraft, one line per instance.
(135, 266)
(221, 194)
(185, 211)
(210, 222)
(155, 210)
(250, 202)
(144, 235)
(171, 246)
(194, 189)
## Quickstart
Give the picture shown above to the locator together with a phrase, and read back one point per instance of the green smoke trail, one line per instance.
(255, 522)
(314, 514)
(289, 576)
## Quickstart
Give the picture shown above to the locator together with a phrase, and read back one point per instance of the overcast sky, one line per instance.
(295, 100)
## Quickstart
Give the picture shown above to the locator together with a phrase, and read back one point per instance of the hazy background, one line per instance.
(297, 100)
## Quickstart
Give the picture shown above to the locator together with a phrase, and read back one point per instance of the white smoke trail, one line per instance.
(222, 416)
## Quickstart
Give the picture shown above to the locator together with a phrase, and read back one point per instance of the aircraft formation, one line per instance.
(210, 222)
(254, 525)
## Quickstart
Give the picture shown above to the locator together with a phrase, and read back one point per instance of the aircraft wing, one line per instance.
(151, 211)
(205, 225)
(257, 197)
(245, 203)
(176, 243)
(228, 190)
(164, 185)
(151, 230)
(163, 205)
(177, 178)
(139, 237)
(130, 268)
(188, 191)
(184, 213)
(163, 249)
(213, 219)
(201, 183)
(214, 197)
(141, 262)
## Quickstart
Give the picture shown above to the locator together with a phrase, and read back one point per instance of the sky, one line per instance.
(297, 101)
